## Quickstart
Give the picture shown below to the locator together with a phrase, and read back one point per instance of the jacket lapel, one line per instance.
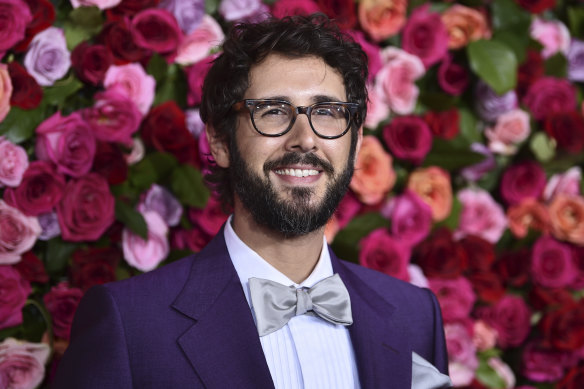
(382, 348)
(223, 344)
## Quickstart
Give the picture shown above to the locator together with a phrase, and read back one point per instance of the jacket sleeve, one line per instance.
(97, 356)
(440, 350)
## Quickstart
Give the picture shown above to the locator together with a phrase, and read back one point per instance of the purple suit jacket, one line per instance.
(188, 325)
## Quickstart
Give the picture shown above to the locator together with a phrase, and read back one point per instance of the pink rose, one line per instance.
(68, 142)
(452, 77)
(542, 364)
(411, 218)
(462, 359)
(198, 43)
(525, 180)
(15, 16)
(294, 7)
(552, 265)
(480, 215)
(484, 336)
(41, 189)
(455, 296)
(86, 209)
(567, 183)
(377, 109)
(18, 233)
(396, 79)
(61, 302)
(142, 254)
(5, 91)
(22, 364)
(195, 77)
(409, 138)
(157, 30)
(137, 85)
(417, 276)
(137, 152)
(511, 318)
(384, 253)
(114, 116)
(14, 291)
(425, 36)
(101, 4)
(549, 95)
(13, 163)
(512, 128)
(553, 36)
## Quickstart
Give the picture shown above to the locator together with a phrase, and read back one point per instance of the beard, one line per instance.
(294, 216)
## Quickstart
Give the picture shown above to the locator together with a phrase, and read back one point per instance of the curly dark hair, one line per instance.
(248, 44)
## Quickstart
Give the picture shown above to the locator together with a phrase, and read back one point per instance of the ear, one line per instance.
(218, 148)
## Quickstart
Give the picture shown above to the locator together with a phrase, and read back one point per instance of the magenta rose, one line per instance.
(90, 62)
(195, 76)
(381, 252)
(455, 296)
(14, 291)
(525, 180)
(146, 255)
(114, 117)
(542, 364)
(411, 218)
(552, 265)
(294, 7)
(510, 317)
(15, 15)
(13, 163)
(22, 364)
(68, 142)
(41, 189)
(61, 302)
(374, 62)
(425, 36)
(550, 95)
(452, 77)
(18, 233)
(209, 219)
(409, 138)
(156, 30)
(86, 209)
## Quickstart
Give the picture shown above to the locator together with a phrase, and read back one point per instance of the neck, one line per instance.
(295, 257)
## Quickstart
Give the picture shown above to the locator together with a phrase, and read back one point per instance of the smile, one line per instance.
(297, 172)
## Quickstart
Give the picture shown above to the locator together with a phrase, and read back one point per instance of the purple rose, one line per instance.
(522, 181)
(15, 15)
(195, 124)
(476, 171)
(489, 105)
(233, 10)
(411, 218)
(160, 200)
(47, 58)
(552, 265)
(576, 61)
(188, 13)
(49, 225)
(455, 296)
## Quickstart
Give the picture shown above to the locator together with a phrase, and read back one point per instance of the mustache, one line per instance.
(303, 159)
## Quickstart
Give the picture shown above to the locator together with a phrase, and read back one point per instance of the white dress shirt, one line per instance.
(308, 352)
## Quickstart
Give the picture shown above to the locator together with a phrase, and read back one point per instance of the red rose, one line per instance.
(425, 36)
(195, 77)
(156, 30)
(440, 256)
(61, 302)
(543, 299)
(90, 62)
(14, 290)
(109, 162)
(452, 77)
(40, 190)
(381, 252)
(574, 379)
(567, 128)
(481, 253)
(87, 208)
(94, 266)
(536, 6)
(117, 37)
(525, 180)
(129, 8)
(43, 16)
(487, 285)
(209, 219)
(165, 129)
(443, 124)
(563, 328)
(31, 268)
(194, 239)
(550, 95)
(511, 318)
(409, 138)
(530, 70)
(26, 92)
(342, 11)
(513, 267)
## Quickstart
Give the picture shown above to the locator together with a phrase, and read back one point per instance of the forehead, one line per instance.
(299, 80)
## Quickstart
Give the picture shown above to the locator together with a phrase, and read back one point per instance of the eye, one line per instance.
(329, 110)
(271, 110)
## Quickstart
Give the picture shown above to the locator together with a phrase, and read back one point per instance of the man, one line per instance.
(266, 304)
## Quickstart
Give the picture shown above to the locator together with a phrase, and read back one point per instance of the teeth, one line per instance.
(297, 172)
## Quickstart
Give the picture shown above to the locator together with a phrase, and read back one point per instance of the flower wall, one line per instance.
(468, 181)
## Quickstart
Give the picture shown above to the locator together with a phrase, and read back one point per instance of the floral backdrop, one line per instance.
(468, 181)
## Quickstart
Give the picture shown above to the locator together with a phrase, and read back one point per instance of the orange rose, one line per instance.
(432, 184)
(567, 218)
(464, 25)
(5, 91)
(382, 18)
(374, 175)
(528, 214)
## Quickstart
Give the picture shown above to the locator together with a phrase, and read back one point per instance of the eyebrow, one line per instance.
(315, 99)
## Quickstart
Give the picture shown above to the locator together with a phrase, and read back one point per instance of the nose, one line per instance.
(301, 138)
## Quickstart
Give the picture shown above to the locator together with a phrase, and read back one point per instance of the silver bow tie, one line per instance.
(275, 304)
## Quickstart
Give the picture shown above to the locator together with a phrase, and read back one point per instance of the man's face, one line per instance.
(292, 183)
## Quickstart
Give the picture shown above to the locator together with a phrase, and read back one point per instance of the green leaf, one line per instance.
(468, 126)
(451, 222)
(57, 255)
(19, 125)
(61, 90)
(576, 21)
(436, 100)
(83, 24)
(449, 157)
(346, 243)
(158, 68)
(543, 147)
(131, 219)
(211, 6)
(187, 184)
(34, 322)
(556, 66)
(173, 87)
(489, 377)
(518, 41)
(495, 63)
(153, 168)
(507, 14)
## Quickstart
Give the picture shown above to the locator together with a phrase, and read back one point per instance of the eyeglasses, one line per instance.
(329, 120)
